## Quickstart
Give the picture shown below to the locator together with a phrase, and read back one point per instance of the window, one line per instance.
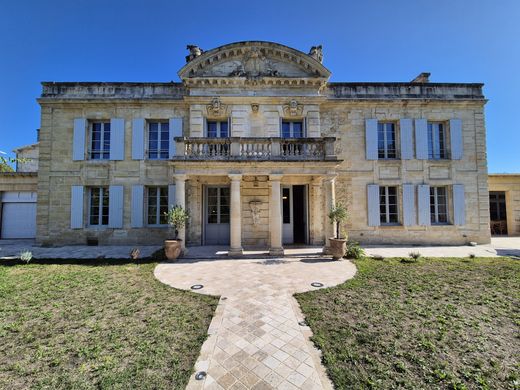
(386, 145)
(438, 205)
(388, 205)
(218, 129)
(100, 141)
(292, 129)
(436, 141)
(218, 204)
(157, 205)
(497, 205)
(286, 205)
(98, 210)
(158, 140)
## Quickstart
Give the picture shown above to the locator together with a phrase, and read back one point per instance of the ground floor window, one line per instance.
(157, 205)
(438, 205)
(388, 209)
(99, 206)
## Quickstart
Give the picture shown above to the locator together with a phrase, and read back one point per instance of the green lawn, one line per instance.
(97, 326)
(434, 324)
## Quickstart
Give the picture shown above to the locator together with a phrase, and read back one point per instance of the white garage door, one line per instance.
(18, 215)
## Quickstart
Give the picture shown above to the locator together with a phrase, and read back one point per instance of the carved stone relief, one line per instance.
(293, 109)
(254, 205)
(216, 108)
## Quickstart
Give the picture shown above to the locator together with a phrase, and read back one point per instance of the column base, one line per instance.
(235, 252)
(276, 252)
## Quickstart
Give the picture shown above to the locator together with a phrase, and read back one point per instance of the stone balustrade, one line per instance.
(255, 148)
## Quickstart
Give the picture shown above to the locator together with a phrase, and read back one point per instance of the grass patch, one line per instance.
(433, 323)
(99, 326)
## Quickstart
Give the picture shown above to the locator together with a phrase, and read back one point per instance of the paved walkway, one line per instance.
(255, 339)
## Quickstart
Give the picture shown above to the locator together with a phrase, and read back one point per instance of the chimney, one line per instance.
(422, 78)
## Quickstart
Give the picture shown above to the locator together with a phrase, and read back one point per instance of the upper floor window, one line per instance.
(157, 205)
(158, 140)
(437, 141)
(292, 129)
(388, 205)
(386, 140)
(217, 129)
(98, 206)
(100, 141)
(438, 205)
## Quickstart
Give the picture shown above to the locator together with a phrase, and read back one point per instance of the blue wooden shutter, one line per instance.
(423, 202)
(171, 196)
(78, 139)
(137, 206)
(421, 139)
(117, 139)
(459, 205)
(175, 131)
(406, 127)
(371, 139)
(138, 139)
(457, 143)
(115, 207)
(76, 207)
(374, 218)
(409, 214)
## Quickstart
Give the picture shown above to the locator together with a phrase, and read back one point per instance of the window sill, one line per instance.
(391, 225)
(157, 226)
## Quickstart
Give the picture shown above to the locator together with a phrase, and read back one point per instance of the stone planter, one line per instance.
(172, 249)
(338, 247)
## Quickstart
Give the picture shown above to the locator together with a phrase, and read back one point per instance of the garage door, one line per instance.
(18, 215)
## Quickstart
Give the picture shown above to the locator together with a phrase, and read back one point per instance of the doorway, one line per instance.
(216, 215)
(294, 214)
(498, 213)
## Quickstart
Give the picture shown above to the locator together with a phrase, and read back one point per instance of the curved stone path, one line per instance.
(255, 339)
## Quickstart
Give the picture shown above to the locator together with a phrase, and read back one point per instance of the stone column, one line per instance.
(330, 202)
(180, 200)
(275, 216)
(236, 216)
(317, 212)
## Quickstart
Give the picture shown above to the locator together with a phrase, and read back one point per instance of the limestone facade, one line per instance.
(257, 88)
(509, 186)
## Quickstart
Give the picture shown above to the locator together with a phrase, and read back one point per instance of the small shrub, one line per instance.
(414, 255)
(378, 257)
(135, 253)
(354, 250)
(26, 256)
(408, 260)
(472, 256)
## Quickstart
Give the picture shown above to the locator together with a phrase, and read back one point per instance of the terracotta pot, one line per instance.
(338, 247)
(172, 249)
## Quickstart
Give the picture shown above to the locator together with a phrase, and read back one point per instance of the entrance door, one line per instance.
(216, 216)
(498, 213)
(294, 214)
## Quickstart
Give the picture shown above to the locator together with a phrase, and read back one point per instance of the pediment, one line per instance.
(253, 60)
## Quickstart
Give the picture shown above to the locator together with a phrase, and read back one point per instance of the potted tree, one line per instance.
(338, 245)
(177, 218)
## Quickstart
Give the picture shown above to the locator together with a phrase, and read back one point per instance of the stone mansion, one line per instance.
(257, 144)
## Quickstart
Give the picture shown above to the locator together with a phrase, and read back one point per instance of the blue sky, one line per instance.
(369, 40)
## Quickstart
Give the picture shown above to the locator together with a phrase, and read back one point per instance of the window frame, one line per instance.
(160, 123)
(218, 123)
(102, 141)
(219, 205)
(434, 217)
(433, 137)
(385, 141)
(386, 215)
(291, 128)
(157, 197)
(103, 191)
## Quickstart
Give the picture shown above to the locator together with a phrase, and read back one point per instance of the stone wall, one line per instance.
(510, 184)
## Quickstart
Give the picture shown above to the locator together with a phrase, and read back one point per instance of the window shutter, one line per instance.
(175, 131)
(78, 139)
(371, 139)
(374, 218)
(423, 202)
(406, 128)
(459, 207)
(115, 207)
(421, 139)
(171, 196)
(117, 139)
(138, 139)
(76, 207)
(137, 206)
(456, 139)
(409, 215)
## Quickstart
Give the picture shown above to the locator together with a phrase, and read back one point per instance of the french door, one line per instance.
(216, 215)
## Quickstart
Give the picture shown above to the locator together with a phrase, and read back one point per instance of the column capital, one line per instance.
(235, 176)
(317, 181)
(275, 177)
(180, 177)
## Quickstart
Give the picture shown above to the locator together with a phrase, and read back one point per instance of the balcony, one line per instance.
(255, 149)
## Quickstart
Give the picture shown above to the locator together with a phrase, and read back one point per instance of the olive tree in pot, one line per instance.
(177, 218)
(338, 245)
